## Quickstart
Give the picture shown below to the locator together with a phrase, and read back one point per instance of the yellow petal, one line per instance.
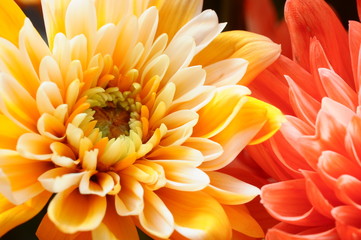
(180, 154)
(196, 214)
(129, 201)
(54, 18)
(274, 117)
(14, 215)
(242, 221)
(258, 50)
(226, 72)
(209, 149)
(11, 20)
(254, 122)
(32, 45)
(71, 211)
(34, 146)
(229, 190)
(156, 218)
(19, 176)
(9, 133)
(220, 111)
(174, 14)
(60, 179)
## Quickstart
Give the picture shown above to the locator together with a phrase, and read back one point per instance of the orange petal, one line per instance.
(196, 214)
(242, 221)
(287, 201)
(48, 230)
(14, 215)
(34, 146)
(19, 176)
(11, 20)
(71, 211)
(347, 221)
(307, 19)
(258, 50)
(286, 232)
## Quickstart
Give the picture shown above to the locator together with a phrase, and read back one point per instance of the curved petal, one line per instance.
(290, 232)
(229, 190)
(348, 221)
(34, 146)
(242, 221)
(71, 211)
(156, 217)
(14, 215)
(196, 214)
(60, 179)
(129, 200)
(11, 20)
(19, 176)
(254, 122)
(258, 50)
(287, 201)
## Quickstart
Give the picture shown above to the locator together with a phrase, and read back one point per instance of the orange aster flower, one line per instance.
(125, 117)
(316, 155)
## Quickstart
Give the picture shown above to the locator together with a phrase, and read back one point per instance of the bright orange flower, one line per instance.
(261, 17)
(126, 116)
(316, 156)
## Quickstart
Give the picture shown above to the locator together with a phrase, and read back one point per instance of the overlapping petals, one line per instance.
(126, 116)
(315, 156)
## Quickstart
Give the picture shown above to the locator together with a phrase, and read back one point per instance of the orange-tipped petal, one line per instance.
(258, 50)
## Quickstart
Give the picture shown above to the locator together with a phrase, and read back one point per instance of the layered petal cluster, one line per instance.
(315, 158)
(125, 116)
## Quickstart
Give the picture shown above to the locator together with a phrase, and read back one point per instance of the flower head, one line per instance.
(125, 116)
(315, 157)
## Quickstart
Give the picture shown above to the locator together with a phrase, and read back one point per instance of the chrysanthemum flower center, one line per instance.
(116, 112)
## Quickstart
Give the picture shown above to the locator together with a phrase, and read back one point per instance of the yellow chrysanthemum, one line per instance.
(125, 116)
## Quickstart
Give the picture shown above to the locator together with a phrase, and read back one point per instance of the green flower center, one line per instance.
(117, 113)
